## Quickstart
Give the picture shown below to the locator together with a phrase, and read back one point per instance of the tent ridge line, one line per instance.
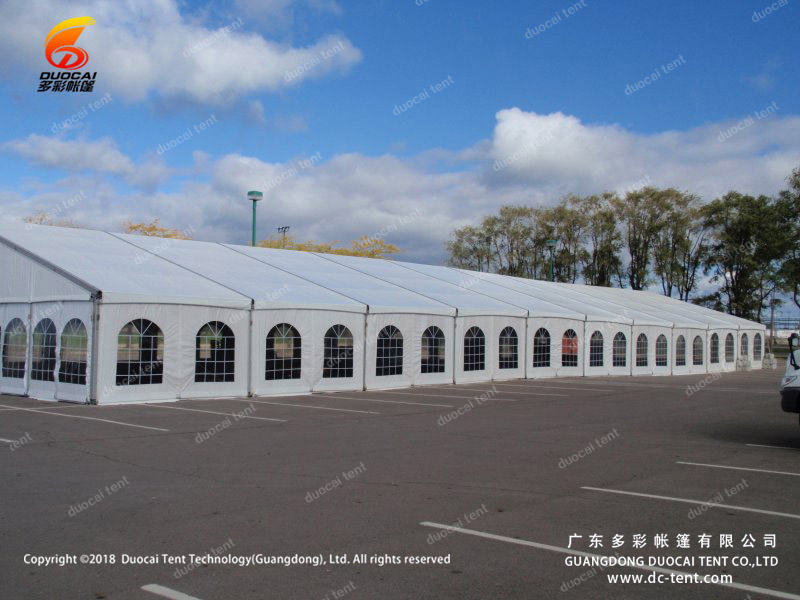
(319, 285)
(402, 287)
(180, 266)
(527, 311)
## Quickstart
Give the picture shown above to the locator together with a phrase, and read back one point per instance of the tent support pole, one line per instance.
(94, 372)
(251, 354)
(364, 353)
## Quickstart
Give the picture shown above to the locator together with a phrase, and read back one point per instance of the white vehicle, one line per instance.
(790, 386)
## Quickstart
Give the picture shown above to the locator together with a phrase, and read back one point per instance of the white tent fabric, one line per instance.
(112, 318)
(542, 354)
(473, 310)
(279, 297)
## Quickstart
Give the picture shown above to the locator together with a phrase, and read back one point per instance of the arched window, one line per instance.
(43, 351)
(757, 346)
(569, 349)
(729, 348)
(641, 350)
(283, 353)
(338, 353)
(389, 359)
(596, 350)
(697, 351)
(140, 354)
(745, 345)
(215, 349)
(541, 348)
(713, 353)
(15, 349)
(662, 351)
(509, 349)
(474, 350)
(619, 356)
(680, 351)
(433, 353)
(74, 353)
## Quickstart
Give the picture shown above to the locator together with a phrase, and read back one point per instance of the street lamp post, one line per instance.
(256, 197)
(551, 244)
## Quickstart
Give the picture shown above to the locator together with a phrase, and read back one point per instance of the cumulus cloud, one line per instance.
(558, 151)
(154, 49)
(99, 156)
(416, 202)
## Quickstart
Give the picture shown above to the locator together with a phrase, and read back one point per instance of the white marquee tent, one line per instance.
(89, 316)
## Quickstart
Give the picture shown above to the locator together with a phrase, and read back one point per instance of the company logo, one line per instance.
(62, 53)
(60, 48)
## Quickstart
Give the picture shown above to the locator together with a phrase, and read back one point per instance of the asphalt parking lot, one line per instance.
(491, 480)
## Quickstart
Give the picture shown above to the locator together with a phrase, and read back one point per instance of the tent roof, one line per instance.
(136, 269)
(123, 273)
(379, 295)
(551, 296)
(480, 285)
(269, 287)
(467, 302)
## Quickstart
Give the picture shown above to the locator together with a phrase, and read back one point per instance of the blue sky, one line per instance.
(507, 92)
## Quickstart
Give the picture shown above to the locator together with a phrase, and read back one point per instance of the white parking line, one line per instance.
(776, 447)
(447, 396)
(561, 550)
(688, 501)
(6, 441)
(334, 395)
(51, 406)
(366, 412)
(484, 390)
(213, 412)
(165, 592)
(44, 412)
(537, 386)
(680, 462)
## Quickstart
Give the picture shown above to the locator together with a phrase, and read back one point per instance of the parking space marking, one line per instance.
(336, 395)
(448, 396)
(165, 592)
(502, 538)
(53, 405)
(689, 501)
(365, 412)
(551, 387)
(680, 462)
(776, 447)
(6, 441)
(44, 412)
(458, 387)
(213, 412)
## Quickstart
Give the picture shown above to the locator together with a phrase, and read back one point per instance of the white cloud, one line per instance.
(348, 195)
(100, 156)
(153, 48)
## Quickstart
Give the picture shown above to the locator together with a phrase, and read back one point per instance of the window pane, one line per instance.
(283, 353)
(215, 354)
(389, 357)
(74, 353)
(509, 349)
(474, 350)
(338, 355)
(433, 351)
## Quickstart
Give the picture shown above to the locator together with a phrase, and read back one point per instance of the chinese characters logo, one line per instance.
(62, 53)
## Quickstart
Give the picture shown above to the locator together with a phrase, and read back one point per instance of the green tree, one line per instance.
(567, 224)
(749, 238)
(679, 245)
(789, 204)
(603, 261)
(642, 216)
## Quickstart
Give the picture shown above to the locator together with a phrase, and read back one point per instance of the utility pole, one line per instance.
(256, 197)
(282, 230)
